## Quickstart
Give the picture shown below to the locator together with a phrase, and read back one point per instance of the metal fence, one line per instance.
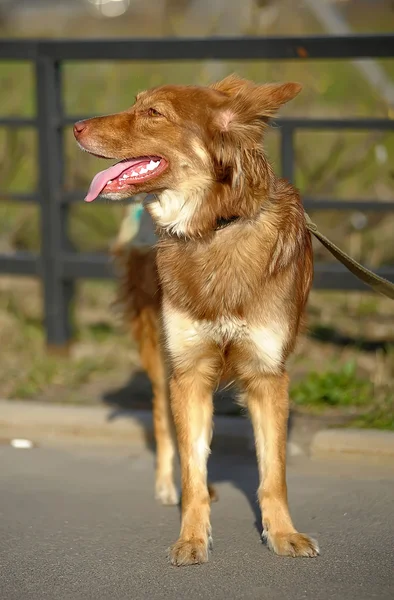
(58, 265)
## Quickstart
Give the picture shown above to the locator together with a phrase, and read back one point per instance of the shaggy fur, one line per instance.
(231, 300)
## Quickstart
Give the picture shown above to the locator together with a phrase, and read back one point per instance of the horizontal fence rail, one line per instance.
(214, 48)
(58, 265)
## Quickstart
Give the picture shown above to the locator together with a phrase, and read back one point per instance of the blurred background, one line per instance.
(344, 367)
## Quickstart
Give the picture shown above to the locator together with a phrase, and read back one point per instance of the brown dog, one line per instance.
(234, 269)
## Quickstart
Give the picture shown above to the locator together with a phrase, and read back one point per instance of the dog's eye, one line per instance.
(152, 112)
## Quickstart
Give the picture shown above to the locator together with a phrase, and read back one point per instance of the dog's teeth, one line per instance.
(110, 181)
(134, 173)
(143, 170)
(152, 165)
(125, 176)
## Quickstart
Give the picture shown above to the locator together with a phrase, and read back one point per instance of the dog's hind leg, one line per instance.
(154, 365)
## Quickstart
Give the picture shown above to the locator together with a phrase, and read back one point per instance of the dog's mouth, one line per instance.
(123, 175)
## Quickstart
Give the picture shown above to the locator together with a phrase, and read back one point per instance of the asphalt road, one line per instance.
(79, 524)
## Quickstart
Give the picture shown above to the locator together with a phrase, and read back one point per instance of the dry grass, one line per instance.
(101, 355)
(343, 329)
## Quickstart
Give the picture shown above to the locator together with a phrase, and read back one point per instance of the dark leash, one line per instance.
(377, 283)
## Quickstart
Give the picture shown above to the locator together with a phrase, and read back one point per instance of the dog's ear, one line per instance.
(232, 85)
(238, 123)
(268, 98)
(245, 102)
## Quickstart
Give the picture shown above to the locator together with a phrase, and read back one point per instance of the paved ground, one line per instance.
(81, 524)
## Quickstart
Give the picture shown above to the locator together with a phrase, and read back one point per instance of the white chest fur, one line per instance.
(263, 343)
(173, 210)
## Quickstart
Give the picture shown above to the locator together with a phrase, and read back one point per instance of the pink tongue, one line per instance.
(101, 179)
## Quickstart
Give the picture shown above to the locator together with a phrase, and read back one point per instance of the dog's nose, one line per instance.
(79, 127)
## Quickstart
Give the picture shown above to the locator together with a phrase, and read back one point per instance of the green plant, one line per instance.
(379, 417)
(336, 388)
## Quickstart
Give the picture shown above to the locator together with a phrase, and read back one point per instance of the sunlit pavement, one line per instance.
(83, 524)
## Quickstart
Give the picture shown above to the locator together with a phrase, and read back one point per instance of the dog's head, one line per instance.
(178, 139)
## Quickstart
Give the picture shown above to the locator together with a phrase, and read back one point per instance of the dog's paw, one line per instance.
(291, 544)
(189, 552)
(166, 493)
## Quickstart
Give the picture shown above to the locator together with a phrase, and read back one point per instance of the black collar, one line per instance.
(222, 223)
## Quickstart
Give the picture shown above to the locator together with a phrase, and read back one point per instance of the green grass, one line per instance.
(379, 417)
(344, 390)
(340, 387)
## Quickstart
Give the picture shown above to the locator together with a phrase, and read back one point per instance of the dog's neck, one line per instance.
(205, 203)
(202, 212)
(221, 223)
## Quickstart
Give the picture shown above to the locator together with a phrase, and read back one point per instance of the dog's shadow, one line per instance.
(331, 335)
(136, 394)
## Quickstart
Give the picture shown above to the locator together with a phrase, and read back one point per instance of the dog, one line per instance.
(226, 285)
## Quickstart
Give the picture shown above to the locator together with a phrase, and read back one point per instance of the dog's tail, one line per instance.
(134, 257)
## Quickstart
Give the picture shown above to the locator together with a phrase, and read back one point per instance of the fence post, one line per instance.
(287, 151)
(58, 292)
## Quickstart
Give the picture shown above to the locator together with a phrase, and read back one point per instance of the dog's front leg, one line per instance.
(267, 400)
(192, 406)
